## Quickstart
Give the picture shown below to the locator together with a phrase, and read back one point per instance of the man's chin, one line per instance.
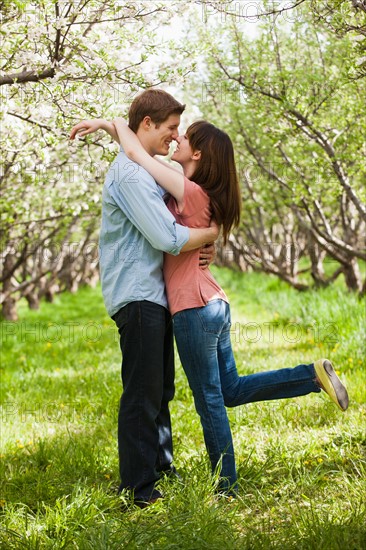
(163, 152)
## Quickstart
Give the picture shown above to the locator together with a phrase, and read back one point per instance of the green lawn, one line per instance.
(301, 462)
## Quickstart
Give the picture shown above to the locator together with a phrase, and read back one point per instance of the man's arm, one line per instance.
(200, 237)
(207, 255)
(196, 237)
(137, 196)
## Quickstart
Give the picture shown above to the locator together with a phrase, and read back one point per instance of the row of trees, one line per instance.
(291, 94)
(63, 61)
(293, 99)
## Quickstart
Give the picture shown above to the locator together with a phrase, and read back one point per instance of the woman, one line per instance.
(208, 188)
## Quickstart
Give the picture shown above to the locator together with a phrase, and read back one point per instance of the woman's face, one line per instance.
(183, 152)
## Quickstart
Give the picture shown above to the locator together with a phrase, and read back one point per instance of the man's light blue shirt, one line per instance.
(136, 229)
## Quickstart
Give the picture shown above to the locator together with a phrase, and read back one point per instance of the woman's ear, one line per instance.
(196, 155)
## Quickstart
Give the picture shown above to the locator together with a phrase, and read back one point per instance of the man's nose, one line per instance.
(175, 135)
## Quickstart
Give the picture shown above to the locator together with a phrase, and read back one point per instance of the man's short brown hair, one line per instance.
(157, 104)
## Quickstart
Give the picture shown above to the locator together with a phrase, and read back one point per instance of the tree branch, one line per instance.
(27, 76)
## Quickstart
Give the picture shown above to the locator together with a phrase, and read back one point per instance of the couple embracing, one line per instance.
(158, 223)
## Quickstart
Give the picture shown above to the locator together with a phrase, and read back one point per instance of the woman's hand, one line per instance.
(86, 127)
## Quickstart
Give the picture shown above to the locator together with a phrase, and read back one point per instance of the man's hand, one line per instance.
(216, 230)
(86, 127)
(208, 251)
(207, 255)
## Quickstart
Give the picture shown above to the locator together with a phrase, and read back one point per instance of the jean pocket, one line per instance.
(121, 317)
(212, 317)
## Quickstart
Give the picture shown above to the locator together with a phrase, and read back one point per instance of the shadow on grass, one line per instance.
(54, 466)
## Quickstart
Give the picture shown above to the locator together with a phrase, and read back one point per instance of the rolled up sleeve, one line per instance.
(137, 194)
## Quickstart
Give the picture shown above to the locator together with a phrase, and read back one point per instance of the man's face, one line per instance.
(160, 138)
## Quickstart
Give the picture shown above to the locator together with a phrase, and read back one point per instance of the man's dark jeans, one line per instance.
(144, 430)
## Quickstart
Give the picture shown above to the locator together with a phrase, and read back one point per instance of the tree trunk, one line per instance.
(317, 256)
(352, 275)
(49, 295)
(9, 309)
(32, 299)
(363, 290)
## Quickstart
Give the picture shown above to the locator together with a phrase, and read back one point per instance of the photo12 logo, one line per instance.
(223, 91)
(52, 333)
(248, 11)
(291, 333)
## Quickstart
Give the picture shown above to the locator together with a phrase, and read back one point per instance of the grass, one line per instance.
(301, 462)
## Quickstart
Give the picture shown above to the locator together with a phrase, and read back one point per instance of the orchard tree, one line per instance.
(341, 17)
(346, 18)
(294, 107)
(63, 61)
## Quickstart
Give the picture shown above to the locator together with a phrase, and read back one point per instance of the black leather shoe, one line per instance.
(172, 474)
(142, 502)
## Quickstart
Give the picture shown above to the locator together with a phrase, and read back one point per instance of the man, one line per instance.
(136, 229)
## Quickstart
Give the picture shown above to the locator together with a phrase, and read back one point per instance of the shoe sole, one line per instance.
(331, 383)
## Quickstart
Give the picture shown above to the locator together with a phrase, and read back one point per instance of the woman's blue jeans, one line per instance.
(203, 342)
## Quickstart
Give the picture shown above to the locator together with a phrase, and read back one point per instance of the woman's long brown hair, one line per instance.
(216, 173)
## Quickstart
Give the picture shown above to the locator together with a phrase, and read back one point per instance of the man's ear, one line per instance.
(196, 155)
(146, 123)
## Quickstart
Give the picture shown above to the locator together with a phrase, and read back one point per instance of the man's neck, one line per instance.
(145, 142)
